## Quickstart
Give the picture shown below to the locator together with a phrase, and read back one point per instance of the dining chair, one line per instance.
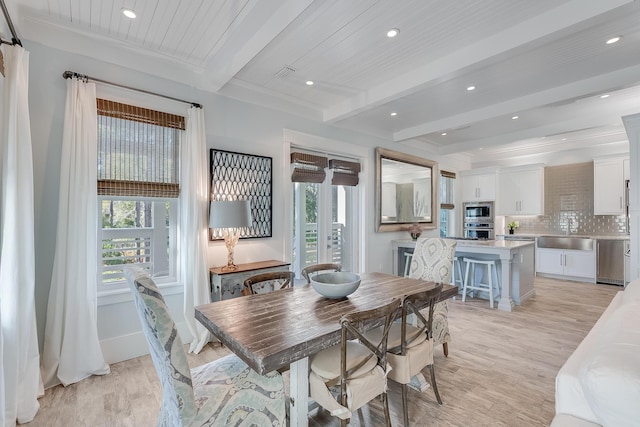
(345, 377)
(308, 271)
(222, 392)
(410, 348)
(267, 282)
(433, 261)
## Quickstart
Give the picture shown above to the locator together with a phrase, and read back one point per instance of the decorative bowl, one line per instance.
(335, 285)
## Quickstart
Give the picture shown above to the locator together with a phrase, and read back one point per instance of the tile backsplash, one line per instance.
(568, 205)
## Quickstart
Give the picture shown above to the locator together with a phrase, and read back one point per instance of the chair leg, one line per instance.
(445, 349)
(385, 402)
(405, 404)
(433, 383)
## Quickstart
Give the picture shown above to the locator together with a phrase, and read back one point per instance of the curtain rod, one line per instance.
(71, 74)
(14, 40)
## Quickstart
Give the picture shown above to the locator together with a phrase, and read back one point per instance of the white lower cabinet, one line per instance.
(574, 264)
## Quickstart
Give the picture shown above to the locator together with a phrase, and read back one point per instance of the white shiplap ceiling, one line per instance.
(545, 61)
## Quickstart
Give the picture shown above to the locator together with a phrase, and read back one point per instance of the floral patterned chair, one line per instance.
(223, 392)
(433, 261)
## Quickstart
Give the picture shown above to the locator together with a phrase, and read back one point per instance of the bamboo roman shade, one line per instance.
(138, 151)
(308, 167)
(344, 173)
(446, 189)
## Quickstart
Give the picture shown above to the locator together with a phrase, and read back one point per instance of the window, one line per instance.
(138, 186)
(447, 207)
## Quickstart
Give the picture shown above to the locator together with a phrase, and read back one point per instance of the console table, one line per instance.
(228, 284)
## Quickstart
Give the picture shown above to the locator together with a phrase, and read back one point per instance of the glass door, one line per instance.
(323, 224)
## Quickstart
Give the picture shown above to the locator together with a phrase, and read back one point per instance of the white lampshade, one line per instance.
(230, 214)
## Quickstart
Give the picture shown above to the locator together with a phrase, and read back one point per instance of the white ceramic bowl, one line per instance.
(335, 285)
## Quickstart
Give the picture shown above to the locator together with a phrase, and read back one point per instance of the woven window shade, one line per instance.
(344, 173)
(447, 174)
(138, 151)
(308, 167)
(447, 190)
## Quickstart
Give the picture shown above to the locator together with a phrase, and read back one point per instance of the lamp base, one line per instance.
(228, 267)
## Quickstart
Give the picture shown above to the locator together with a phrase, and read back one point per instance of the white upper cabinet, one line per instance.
(478, 185)
(521, 190)
(608, 186)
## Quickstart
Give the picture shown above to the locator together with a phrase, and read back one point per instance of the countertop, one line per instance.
(498, 244)
(585, 236)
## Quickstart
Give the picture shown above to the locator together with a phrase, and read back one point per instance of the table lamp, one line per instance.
(231, 216)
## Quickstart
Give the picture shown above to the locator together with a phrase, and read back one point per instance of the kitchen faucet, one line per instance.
(568, 226)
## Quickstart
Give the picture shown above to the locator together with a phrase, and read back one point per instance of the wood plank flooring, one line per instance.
(500, 370)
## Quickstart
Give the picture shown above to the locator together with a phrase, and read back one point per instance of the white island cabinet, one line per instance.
(514, 262)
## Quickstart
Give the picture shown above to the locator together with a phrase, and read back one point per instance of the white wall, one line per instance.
(231, 125)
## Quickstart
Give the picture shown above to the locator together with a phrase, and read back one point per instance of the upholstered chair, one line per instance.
(433, 261)
(223, 392)
(346, 376)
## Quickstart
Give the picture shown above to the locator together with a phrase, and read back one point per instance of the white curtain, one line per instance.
(71, 346)
(194, 200)
(20, 357)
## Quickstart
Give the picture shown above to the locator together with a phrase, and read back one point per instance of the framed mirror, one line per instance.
(406, 191)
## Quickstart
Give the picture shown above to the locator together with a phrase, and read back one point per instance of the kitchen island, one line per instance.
(515, 264)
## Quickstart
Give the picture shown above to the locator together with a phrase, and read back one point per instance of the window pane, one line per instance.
(136, 232)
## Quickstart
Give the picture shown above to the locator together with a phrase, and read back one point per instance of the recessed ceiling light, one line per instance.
(563, 139)
(129, 13)
(606, 95)
(309, 82)
(393, 114)
(471, 87)
(515, 117)
(443, 134)
(613, 40)
(393, 32)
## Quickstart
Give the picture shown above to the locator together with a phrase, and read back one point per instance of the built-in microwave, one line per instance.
(478, 212)
(478, 230)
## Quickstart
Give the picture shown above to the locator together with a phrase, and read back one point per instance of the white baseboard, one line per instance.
(129, 346)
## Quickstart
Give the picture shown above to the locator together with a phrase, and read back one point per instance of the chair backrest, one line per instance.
(354, 325)
(267, 282)
(307, 271)
(167, 352)
(433, 259)
(413, 304)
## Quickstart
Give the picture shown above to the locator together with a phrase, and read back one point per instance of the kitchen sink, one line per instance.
(566, 242)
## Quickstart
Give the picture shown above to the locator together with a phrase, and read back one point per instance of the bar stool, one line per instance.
(491, 270)
(456, 274)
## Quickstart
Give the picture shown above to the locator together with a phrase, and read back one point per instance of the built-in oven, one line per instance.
(478, 212)
(478, 230)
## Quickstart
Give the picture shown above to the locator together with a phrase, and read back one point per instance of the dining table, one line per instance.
(284, 328)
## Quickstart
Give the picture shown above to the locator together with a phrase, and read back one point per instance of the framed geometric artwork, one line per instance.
(238, 176)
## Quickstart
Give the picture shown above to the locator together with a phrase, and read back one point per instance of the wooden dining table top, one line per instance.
(270, 331)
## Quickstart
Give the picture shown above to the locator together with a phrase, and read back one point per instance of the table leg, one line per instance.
(506, 302)
(299, 390)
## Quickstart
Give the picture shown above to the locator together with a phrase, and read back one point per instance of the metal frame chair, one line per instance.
(307, 271)
(411, 348)
(358, 369)
(268, 282)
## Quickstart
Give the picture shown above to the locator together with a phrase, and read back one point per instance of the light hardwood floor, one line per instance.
(500, 370)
